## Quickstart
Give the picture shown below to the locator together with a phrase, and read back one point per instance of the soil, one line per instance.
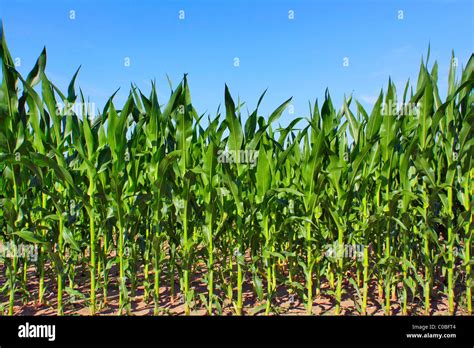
(283, 302)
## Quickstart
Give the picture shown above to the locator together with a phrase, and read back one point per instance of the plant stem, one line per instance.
(365, 279)
(60, 270)
(450, 252)
(92, 247)
(340, 241)
(309, 275)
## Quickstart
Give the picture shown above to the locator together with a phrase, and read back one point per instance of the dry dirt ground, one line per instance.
(283, 303)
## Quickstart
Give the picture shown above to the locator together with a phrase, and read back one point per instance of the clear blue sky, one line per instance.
(299, 57)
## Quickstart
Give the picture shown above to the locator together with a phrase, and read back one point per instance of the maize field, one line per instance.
(229, 213)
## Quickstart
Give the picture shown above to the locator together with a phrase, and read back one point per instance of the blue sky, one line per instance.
(298, 57)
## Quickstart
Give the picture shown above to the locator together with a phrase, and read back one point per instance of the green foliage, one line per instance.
(230, 203)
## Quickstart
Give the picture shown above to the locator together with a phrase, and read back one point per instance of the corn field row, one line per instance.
(154, 189)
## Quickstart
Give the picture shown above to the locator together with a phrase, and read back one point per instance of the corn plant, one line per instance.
(160, 194)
